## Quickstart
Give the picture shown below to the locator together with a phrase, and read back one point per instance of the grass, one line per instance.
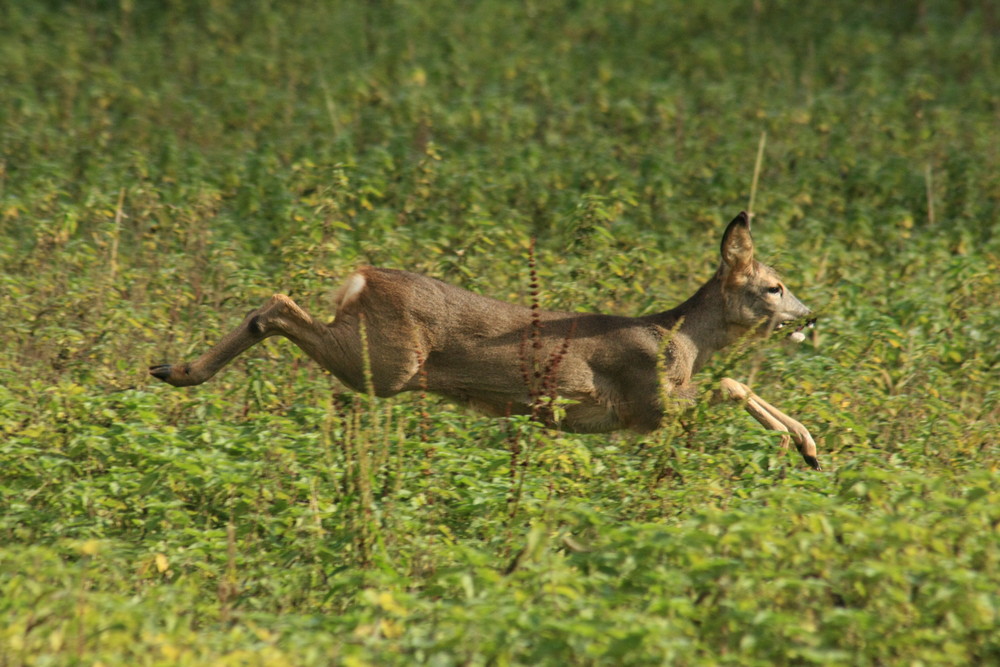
(166, 167)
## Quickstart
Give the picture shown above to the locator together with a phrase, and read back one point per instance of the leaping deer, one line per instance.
(615, 371)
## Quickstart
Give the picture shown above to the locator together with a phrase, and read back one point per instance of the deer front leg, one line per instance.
(280, 315)
(774, 419)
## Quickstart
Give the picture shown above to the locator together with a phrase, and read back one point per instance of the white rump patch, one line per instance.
(349, 291)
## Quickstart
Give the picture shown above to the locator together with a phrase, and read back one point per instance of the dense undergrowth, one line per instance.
(164, 167)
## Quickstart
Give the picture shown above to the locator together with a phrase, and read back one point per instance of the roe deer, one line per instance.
(615, 371)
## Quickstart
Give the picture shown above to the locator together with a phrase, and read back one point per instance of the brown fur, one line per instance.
(615, 371)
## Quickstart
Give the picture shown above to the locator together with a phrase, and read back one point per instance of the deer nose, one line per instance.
(797, 308)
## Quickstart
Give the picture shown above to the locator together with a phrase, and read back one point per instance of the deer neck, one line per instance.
(700, 330)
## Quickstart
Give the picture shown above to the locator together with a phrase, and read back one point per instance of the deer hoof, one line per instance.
(178, 376)
(161, 372)
(812, 461)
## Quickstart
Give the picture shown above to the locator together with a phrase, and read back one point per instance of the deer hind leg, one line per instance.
(279, 316)
(394, 348)
(774, 419)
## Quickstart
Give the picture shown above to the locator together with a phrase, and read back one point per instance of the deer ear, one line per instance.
(737, 246)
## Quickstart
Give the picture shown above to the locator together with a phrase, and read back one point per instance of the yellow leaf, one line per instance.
(161, 563)
(390, 629)
(389, 603)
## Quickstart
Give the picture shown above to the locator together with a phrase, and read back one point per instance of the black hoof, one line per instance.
(161, 372)
(813, 462)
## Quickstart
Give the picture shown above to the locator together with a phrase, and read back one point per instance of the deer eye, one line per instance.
(774, 290)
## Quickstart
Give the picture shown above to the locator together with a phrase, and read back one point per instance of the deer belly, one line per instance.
(589, 416)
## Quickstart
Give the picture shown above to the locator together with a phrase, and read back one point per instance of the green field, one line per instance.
(166, 167)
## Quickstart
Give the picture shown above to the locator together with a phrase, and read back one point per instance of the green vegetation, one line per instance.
(164, 167)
